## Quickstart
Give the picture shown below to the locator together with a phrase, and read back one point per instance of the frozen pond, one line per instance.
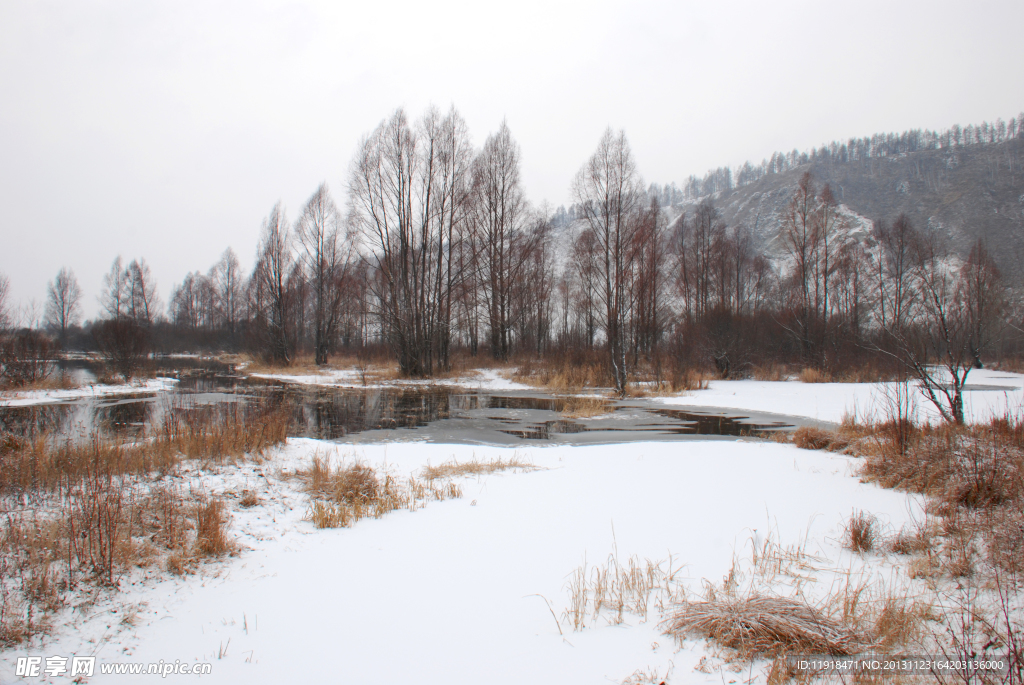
(429, 413)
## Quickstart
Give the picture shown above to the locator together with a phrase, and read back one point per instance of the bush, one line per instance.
(26, 357)
(124, 343)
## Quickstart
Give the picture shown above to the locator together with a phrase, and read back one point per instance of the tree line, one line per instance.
(852, 151)
(436, 250)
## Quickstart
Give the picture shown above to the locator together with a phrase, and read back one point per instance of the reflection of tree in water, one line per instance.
(709, 424)
(31, 421)
(329, 415)
(123, 418)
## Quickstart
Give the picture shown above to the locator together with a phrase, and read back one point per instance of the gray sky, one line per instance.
(168, 130)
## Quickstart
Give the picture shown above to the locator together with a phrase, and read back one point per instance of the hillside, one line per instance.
(965, 192)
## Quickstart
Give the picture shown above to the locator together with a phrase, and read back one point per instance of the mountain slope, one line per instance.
(962, 192)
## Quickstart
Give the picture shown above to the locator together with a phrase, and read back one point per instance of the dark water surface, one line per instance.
(430, 413)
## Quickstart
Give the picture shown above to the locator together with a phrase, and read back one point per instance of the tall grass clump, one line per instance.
(95, 512)
(186, 431)
(972, 477)
(340, 495)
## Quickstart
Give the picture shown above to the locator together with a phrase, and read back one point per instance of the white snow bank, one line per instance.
(447, 594)
(832, 401)
(16, 398)
(477, 379)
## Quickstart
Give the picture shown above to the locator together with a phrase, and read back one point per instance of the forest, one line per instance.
(432, 255)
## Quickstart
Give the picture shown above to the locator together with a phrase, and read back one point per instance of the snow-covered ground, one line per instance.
(999, 392)
(464, 590)
(833, 401)
(449, 593)
(19, 398)
(478, 379)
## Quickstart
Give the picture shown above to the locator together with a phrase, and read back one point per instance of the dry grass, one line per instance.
(585, 407)
(617, 589)
(769, 372)
(812, 375)
(370, 368)
(864, 373)
(95, 513)
(973, 536)
(341, 495)
(211, 528)
(561, 377)
(810, 438)
(90, 536)
(860, 533)
(767, 608)
(687, 380)
(248, 499)
(209, 434)
(475, 467)
(54, 381)
(760, 626)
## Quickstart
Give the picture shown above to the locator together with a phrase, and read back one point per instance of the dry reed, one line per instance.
(342, 495)
(760, 626)
(95, 513)
(585, 407)
(860, 533)
(475, 467)
(46, 463)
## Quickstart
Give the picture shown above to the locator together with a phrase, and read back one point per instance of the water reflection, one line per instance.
(334, 414)
(714, 424)
(337, 413)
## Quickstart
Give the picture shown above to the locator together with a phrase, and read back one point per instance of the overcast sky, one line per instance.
(168, 130)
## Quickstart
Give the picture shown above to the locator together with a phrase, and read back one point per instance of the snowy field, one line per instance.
(999, 391)
(447, 594)
(478, 379)
(477, 588)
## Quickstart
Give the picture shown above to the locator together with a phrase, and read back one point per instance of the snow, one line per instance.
(477, 379)
(20, 398)
(459, 591)
(833, 401)
(448, 593)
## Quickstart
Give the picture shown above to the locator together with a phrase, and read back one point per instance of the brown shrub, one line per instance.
(809, 438)
(860, 532)
(211, 528)
(761, 626)
(249, 499)
(811, 375)
(577, 407)
(689, 380)
(769, 372)
(341, 496)
(1004, 537)
(570, 374)
(909, 541)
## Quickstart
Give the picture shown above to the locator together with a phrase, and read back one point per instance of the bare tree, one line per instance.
(193, 303)
(5, 311)
(269, 285)
(610, 194)
(228, 282)
(944, 339)
(894, 268)
(408, 195)
(800, 239)
(114, 298)
(985, 296)
(500, 220)
(143, 301)
(327, 259)
(64, 303)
